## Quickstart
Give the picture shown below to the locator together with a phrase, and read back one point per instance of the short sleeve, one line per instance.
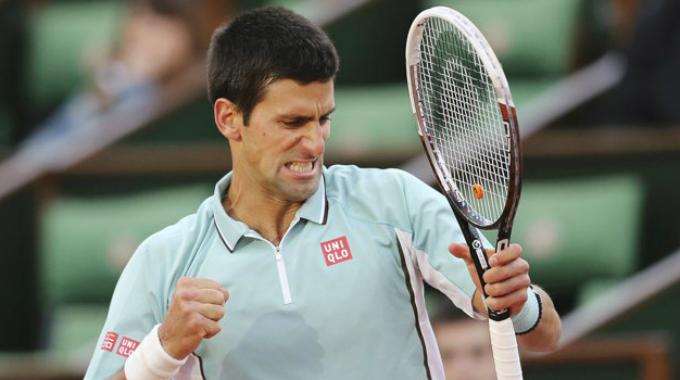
(434, 227)
(136, 306)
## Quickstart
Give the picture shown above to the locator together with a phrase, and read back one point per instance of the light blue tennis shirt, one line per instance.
(341, 297)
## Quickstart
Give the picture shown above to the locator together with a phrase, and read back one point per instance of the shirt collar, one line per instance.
(229, 229)
(315, 209)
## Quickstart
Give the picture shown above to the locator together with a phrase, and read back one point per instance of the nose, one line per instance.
(314, 139)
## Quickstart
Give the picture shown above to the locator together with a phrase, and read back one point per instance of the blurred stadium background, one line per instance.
(595, 83)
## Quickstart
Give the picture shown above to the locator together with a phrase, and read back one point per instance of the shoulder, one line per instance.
(162, 258)
(386, 184)
(380, 195)
(344, 177)
(178, 239)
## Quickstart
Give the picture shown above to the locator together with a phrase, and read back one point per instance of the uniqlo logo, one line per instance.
(127, 346)
(109, 341)
(336, 251)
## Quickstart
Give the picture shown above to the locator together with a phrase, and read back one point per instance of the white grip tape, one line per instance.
(150, 361)
(504, 346)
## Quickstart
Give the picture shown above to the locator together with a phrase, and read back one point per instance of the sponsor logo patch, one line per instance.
(127, 346)
(336, 251)
(109, 342)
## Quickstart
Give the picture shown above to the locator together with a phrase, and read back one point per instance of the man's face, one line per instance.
(465, 349)
(281, 151)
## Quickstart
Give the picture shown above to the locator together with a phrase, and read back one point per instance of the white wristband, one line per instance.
(527, 318)
(150, 361)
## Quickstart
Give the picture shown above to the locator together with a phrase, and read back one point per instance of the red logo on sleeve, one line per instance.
(336, 251)
(109, 341)
(127, 346)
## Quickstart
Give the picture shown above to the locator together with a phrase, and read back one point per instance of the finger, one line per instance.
(501, 273)
(508, 286)
(210, 311)
(200, 283)
(199, 325)
(212, 296)
(512, 252)
(184, 295)
(211, 328)
(461, 251)
(225, 293)
(513, 300)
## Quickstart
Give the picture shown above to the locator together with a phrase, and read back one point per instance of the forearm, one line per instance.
(545, 337)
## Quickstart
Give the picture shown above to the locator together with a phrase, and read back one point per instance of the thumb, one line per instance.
(461, 251)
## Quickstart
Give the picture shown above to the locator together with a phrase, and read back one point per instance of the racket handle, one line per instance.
(505, 353)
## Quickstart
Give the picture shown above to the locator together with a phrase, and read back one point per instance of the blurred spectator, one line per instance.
(159, 39)
(649, 87)
(465, 348)
(646, 93)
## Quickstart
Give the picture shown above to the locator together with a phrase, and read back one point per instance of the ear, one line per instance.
(228, 119)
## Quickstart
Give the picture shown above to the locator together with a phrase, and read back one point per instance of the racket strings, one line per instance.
(489, 144)
(470, 110)
(463, 119)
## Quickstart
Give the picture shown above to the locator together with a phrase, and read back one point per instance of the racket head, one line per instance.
(465, 115)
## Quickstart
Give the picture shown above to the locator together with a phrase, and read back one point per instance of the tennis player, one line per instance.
(292, 270)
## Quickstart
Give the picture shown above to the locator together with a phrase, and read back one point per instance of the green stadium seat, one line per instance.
(85, 244)
(373, 120)
(578, 230)
(62, 35)
(87, 241)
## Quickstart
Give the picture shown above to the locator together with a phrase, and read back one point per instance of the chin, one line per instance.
(301, 193)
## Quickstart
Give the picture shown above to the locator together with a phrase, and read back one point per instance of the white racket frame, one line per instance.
(503, 339)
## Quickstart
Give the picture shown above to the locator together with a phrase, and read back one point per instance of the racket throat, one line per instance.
(502, 244)
(478, 250)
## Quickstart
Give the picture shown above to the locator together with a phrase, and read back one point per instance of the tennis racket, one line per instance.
(468, 126)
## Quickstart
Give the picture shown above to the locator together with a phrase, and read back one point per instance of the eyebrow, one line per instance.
(329, 112)
(297, 116)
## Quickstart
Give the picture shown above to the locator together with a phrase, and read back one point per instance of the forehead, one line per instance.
(290, 96)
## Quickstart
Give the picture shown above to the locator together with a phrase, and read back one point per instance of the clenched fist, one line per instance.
(195, 310)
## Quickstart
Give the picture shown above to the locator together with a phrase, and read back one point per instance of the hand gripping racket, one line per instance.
(468, 126)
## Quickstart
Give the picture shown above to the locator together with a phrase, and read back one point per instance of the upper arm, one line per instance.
(434, 227)
(136, 306)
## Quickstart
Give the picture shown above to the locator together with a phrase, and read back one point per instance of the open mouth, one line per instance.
(301, 167)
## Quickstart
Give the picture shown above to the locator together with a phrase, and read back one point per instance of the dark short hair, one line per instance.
(262, 45)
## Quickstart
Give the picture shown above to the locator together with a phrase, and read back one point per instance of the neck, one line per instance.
(269, 216)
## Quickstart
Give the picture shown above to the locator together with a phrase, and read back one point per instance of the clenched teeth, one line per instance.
(300, 167)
